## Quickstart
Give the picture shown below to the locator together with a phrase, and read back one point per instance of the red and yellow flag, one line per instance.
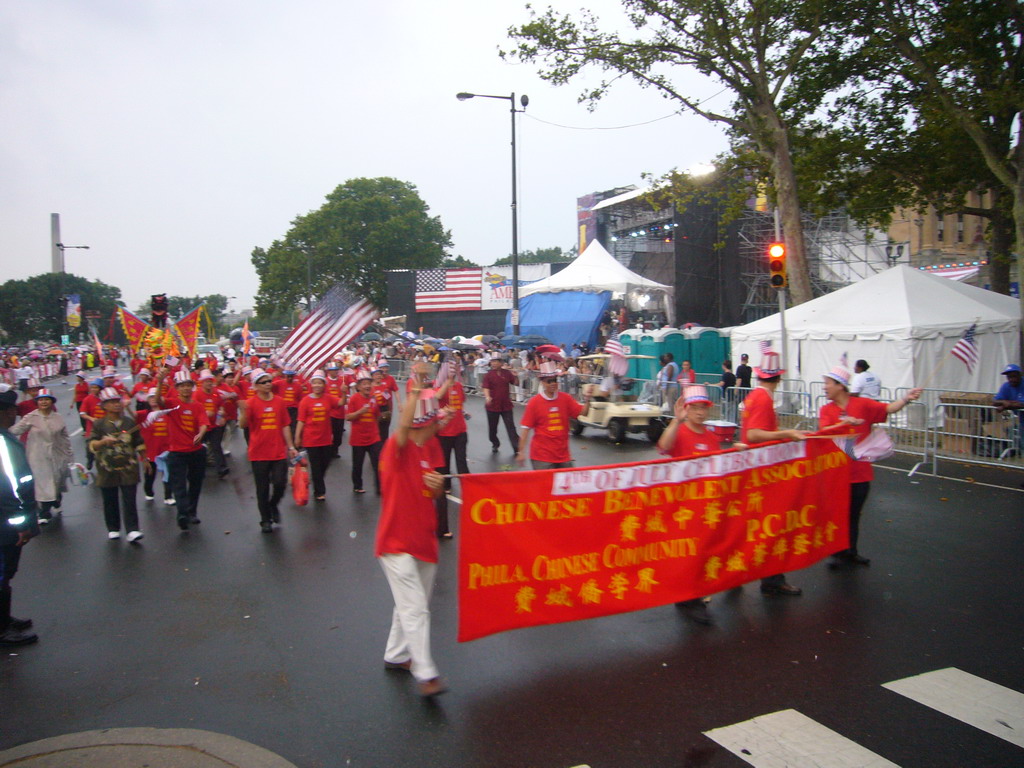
(135, 329)
(551, 546)
(188, 329)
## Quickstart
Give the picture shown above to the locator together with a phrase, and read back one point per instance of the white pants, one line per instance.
(411, 583)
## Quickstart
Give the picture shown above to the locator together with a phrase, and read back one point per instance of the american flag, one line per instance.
(336, 319)
(445, 290)
(966, 349)
(764, 346)
(617, 363)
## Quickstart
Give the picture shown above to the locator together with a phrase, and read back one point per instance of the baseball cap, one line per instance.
(1011, 368)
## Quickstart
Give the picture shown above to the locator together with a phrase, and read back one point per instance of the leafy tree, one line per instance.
(366, 227)
(456, 262)
(552, 255)
(33, 308)
(767, 53)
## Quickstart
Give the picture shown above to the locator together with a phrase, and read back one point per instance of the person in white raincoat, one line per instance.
(49, 452)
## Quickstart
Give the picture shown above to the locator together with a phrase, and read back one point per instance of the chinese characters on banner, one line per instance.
(562, 545)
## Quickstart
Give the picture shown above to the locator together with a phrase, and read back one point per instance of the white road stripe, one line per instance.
(788, 739)
(973, 700)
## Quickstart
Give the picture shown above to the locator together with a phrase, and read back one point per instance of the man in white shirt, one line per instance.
(864, 383)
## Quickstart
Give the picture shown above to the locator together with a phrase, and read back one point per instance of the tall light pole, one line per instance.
(524, 100)
(64, 299)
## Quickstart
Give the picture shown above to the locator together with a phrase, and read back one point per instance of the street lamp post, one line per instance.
(524, 100)
(64, 299)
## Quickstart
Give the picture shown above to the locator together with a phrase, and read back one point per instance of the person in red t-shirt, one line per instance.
(861, 412)
(686, 436)
(385, 400)
(291, 390)
(314, 431)
(406, 545)
(140, 392)
(212, 399)
(686, 375)
(186, 456)
(337, 387)
(90, 410)
(270, 446)
(547, 418)
(363, 413)
(454, 438)
(760, 425)
(156, 437)
(81, 390)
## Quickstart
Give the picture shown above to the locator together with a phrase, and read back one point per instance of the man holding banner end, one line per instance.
(759, 424)
(406, 544)
(547, 418)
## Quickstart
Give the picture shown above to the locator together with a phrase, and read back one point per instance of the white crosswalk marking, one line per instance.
(788, 739)
(973, 700)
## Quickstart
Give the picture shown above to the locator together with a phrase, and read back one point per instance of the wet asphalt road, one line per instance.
(278, 639)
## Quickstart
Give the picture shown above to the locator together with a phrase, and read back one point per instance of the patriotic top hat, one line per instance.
(205, 374)
(771, 365)
(257, 374)
(549, 370)
(427, 409)
(696, 393)
(840, 374)
(183, 377)
(109, 393)
(44, 392)
(318, 375)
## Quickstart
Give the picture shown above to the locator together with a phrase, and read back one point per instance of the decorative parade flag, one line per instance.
(73, 311)
(99, 347)
(188, 329)
(966, 349)
(135, 329)
(336, 319)
(246, 337)
(446, 290)
(617, 363)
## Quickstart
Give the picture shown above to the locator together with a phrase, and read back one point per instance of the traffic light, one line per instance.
(777, 265)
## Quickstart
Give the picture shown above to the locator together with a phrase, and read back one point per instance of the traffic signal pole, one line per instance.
(783, 351)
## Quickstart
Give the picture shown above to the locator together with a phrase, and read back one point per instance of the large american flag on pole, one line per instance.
(335, 320)
(966, 349)
(445, 290)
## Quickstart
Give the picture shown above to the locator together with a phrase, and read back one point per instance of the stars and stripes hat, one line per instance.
(318, 375)
(549, 370)
(840, 374)
(109, 393)
(205, 374)
(183, 377)
(696, 393)
(257, 374)
(44, 392)
(771, 365)
(427, 409)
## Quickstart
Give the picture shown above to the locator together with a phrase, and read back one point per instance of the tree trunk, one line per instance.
(1001, 253)
(788, 201)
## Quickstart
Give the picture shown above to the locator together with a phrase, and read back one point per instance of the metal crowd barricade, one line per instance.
(977, 434)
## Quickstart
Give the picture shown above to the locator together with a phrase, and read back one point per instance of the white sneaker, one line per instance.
(134, 535)
(149, 498)
(227, 453)
(114, 535)
(169, 502)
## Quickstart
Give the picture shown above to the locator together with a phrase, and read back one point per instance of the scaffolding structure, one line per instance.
(838, 253)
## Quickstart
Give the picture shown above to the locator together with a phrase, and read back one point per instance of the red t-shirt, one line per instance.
(338, 388)
(364, 428)
(758, 413)
(156, 437)
(383, 395)
(290, 393)
(408, 522)
(25, 407)
(872, 412)
(81, 390)
(687, 377)
(454, 400)
(141, 390)
(315, 415)
(266, 420)
(211, 403)
(689, 443)
(228, 404)
(549, 420)
(91, 407)
(184, 423)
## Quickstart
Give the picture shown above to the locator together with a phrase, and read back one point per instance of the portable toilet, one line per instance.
(708, 348)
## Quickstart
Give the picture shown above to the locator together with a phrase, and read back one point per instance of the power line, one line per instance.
(620, 127)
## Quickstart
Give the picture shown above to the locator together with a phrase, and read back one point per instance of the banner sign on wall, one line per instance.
(74, 311)
(552, 546)
(497, 290)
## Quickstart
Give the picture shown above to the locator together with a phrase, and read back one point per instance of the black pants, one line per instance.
(46, 507)
(149, 480)
(215, 445)
(384, 425)
(358, 453)
(293, 414)
(510, 427)
(113, 512)
(858, 495)
(269, 475)
(10, 556)
(186, 470)
(337, 434)
(450, 444)
(319, 458)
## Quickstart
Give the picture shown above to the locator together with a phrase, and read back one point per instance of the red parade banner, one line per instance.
(551, 546)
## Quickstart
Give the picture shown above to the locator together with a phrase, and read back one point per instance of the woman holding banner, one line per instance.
(861, 412)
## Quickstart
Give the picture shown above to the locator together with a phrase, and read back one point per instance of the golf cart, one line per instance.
(623, 410)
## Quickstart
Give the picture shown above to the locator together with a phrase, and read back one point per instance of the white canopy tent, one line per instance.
(904, 323)
(596, 270)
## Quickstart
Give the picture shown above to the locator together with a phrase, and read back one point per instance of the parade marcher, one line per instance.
(686, 436)
(314, 434)
(337, 387)
(119, 448)
(140, 392)
(864, 383)
(18, 521)
(49, 453)
(861, 412)
(759, 424)
(406, 545)
(497, 386)
(81, 392)
(453, 436)
(91, 411)
(290, 390)
(212, 400)
(186, 456)
(363, 414)
(157, 439)
(385, 400)
(29, 404)
(270, 446)
(547, 418)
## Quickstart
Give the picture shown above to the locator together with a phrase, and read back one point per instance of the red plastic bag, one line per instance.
(300, 485)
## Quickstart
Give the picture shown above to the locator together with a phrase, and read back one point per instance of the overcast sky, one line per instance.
(173, 136)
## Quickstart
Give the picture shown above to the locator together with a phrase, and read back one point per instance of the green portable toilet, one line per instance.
(708, 348)
(640, 342)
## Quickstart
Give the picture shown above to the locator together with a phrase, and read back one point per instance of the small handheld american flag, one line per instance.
(966, 349)
(617, 363)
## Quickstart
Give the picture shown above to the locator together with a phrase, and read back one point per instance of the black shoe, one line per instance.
(183, 523)
(194, 520)
(266, 527)
(495, 448)
(20, 624)
(784, 589)
(275, 516)
(11, 638)
(223, 473)
(697, 611)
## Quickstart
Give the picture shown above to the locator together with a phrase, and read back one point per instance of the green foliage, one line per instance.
(33, 309)
(457, 262)
(552, 255)
(366, 227)
(177, 306)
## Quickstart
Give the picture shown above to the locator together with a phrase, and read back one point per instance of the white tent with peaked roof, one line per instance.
(595, 270)
(903, 322)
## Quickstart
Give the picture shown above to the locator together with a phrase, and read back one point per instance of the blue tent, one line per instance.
(566, 317)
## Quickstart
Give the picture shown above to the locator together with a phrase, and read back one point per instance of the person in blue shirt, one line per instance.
(1010, 397)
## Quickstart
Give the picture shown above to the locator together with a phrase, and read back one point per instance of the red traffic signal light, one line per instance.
(777, 265)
